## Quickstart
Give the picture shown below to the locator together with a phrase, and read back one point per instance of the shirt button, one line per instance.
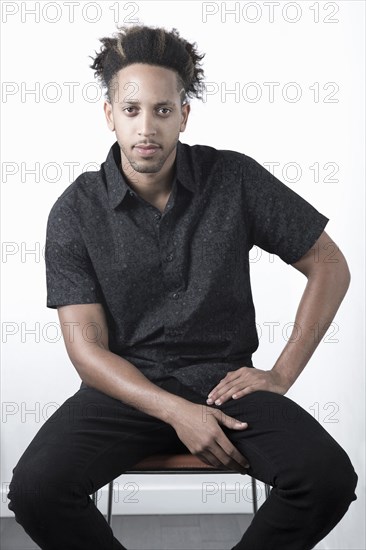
(132, 193)
(157, 216)
(169, 257)
(175, 295)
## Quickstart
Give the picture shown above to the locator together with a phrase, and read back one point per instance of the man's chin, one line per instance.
(147, 167)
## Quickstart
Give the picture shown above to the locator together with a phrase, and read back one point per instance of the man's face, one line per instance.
(147, 116)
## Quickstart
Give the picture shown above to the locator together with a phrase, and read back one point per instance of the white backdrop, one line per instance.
(296, 75)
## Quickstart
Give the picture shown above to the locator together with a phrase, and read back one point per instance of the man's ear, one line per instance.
(186, 108)
(109, 115)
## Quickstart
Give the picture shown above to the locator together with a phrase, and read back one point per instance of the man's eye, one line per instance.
(129, 109)
(166, 110)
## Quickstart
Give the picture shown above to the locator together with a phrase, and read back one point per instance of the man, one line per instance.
(148, 265)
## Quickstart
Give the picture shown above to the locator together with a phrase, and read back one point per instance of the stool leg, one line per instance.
(110, 498)
(254, 495)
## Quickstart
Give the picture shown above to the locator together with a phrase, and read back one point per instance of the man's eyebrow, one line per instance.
(159, 103)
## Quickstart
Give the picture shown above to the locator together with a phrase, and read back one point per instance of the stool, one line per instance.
(186, 463)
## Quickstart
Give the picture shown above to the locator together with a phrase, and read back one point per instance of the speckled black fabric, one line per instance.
(175, 285)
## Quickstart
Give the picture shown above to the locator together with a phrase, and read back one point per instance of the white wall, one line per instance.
(37, 375)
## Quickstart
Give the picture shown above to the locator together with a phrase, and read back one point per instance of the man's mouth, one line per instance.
(147, 150)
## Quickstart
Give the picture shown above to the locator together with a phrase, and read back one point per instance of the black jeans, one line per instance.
(93, 438)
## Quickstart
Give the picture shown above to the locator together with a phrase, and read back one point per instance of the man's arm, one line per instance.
(85, 333)
(328, 280)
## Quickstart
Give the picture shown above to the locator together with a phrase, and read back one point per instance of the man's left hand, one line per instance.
(245, 380)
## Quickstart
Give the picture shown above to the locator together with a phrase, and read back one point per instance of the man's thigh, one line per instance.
(92, 438)
(282, 439)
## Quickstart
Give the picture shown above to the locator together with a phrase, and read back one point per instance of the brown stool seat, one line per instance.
(170, 462)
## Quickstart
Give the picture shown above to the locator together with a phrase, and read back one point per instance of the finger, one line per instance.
(230, 376)
(247, 390)
(211, 459)
(208, 458)
(232, 451)
(244, 391)
(228, 421)
(214, 396)
(230, 456)
(237, 394)
(234, 390)
(215, 390)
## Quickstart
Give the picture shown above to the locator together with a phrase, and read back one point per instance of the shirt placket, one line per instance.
(171, 275)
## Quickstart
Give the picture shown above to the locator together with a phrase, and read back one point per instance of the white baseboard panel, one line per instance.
(175, 494)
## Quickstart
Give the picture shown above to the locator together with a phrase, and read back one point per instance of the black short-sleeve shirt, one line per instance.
(175, 285)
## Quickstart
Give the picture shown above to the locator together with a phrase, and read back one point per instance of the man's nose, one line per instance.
(147, 126)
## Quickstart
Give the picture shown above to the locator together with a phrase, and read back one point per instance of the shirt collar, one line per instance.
(117, 185)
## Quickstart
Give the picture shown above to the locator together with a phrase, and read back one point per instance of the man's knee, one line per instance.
(326, 481)
(25, 491)
(37, 489)
(336, 478)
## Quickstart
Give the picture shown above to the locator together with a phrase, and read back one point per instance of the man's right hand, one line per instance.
(197, 426)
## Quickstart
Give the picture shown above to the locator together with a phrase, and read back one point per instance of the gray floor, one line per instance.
(171, 532)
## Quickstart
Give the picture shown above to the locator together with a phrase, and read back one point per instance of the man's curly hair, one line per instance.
(154, 46)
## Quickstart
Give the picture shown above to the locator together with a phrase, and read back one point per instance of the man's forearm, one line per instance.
(320, 301)
(117, 377)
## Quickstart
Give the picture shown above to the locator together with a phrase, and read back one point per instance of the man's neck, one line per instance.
(157, 193)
